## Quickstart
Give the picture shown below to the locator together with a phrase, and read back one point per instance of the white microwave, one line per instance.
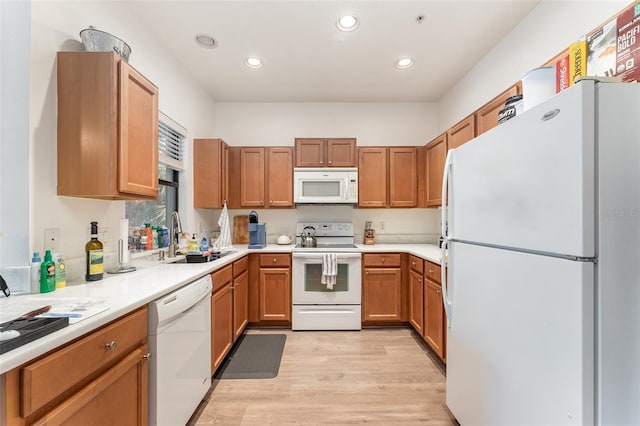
(329, 185)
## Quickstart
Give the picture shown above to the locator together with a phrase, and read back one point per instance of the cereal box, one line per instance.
(577, 61)
(562, 73)
(628, 44)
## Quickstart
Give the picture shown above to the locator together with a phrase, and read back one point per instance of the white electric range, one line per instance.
(315, 306)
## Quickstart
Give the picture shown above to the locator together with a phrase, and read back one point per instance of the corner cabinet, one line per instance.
(107, 128)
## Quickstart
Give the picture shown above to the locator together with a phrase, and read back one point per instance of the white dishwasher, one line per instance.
(180, 345)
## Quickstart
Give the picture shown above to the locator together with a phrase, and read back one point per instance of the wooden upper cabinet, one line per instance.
(107, 128)
(372, 177)
(403, 177)
(233, 177)
(436, 152)
(487, 115)
(310, 153)
(340, 152)
(461, 133)
(265, 177)
(252, 177)
(210, 173)
(279, 177)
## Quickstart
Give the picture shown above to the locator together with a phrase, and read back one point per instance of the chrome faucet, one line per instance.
(173, 222)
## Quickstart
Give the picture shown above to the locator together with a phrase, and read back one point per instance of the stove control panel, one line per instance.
(327, 229)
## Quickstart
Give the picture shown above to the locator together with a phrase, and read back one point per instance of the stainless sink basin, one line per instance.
(194, 258)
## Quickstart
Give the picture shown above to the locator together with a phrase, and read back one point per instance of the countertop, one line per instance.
(127, 292)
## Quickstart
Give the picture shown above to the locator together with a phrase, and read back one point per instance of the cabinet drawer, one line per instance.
(221, 277)
(44, 380)
(279, 260)
(432, 271)
(382, 259)
(416, 264)
(239, 266)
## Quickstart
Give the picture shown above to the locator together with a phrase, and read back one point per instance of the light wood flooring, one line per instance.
(378, 376)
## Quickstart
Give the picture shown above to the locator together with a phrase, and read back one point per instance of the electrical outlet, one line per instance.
(52, 240)
(103, 236)
(382, 226)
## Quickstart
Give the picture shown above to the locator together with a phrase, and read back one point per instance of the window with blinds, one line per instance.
(171, 137)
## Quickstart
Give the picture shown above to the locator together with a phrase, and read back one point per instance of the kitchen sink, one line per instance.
(197, 258)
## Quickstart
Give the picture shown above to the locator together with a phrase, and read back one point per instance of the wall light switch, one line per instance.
(52, 240)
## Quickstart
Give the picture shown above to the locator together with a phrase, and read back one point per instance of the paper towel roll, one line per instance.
(123, 234)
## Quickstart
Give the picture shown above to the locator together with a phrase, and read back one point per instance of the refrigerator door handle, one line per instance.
(443, 280)
(444, 224)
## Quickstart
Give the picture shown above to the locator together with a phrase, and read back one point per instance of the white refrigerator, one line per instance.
(542, 283)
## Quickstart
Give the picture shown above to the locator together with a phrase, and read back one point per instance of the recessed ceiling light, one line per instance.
(348, 23)
(253, 62)
(206, 41)
(403, 63)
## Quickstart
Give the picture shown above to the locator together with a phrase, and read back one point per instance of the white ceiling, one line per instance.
(307, 59)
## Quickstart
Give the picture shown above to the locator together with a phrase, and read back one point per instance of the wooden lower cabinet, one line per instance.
(221, 325)
(434, 317)
(416, 301)
(240, 304)
(275, 294)
(85, 382)
(382, 295)
(221, 316)
(229, 308)
(119, 395)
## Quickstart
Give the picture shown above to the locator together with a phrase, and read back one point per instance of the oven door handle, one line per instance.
(340, 256)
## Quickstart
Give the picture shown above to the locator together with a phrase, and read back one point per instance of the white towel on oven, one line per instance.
(329, 269)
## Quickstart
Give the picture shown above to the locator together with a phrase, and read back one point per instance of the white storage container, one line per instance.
(538, 85)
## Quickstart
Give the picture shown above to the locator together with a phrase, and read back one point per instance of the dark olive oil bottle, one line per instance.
(95, 256)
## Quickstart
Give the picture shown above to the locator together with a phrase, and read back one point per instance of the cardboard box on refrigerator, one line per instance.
(601, 60)
(577, 61)
(628, 44)
(562, 74)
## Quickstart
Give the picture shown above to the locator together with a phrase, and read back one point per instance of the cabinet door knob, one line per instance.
(275, 260)
(320, 161)
(147, 356)
(329, 161)
(382, 260)
(413, 263)
(270, 201)
(431, 271)
(438, 291)
(111, 345)
(286, 273)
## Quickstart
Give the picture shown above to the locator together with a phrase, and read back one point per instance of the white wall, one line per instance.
(546, 31)
(245, 124)
(55, 26)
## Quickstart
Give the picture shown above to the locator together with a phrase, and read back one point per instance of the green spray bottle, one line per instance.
(47, 274)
